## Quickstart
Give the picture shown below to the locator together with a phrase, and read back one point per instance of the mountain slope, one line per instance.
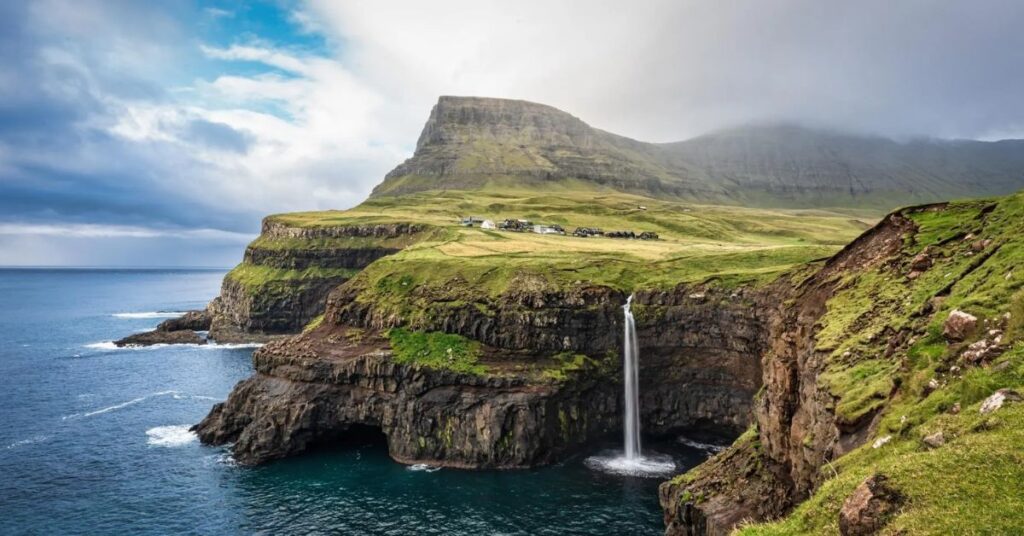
(471, 143)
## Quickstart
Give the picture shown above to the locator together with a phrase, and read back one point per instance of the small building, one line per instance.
(469, 221)
(548, 229)
(584, 232)
(487, 224)
(519, 226)
(648, 235)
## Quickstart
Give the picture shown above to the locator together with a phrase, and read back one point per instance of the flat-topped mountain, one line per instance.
(472, 143)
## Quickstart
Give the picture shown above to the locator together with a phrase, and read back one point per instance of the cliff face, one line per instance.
(795, 418)
(468, 141)
(529, 408)
(313, 388)
(472, 143)
(286, 274)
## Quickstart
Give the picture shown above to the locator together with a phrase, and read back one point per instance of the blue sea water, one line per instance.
(94, 440)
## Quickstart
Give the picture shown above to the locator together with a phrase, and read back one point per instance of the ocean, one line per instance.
(95, 439)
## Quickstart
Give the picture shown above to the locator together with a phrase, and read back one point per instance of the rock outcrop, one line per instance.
(287, 273)
(866, 511)
(181, 330)
(311, 389)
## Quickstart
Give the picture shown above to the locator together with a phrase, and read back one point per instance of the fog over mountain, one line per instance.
(473, 143)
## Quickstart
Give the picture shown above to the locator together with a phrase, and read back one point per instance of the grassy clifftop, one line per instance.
(404, 252)
(696, 243)
(887, 360)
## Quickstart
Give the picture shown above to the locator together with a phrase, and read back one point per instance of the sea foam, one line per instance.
(170, 436)
(150, 314)
(649, 465)
(706, 447)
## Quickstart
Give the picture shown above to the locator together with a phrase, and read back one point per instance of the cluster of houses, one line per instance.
(526, 226)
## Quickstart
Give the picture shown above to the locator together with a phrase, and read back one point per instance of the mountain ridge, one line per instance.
(476, 142)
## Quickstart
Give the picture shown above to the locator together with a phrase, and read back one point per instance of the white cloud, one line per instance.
(86, 230)
(664, 70)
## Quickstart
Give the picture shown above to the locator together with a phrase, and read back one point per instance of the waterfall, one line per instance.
(631, 382)
(630, 462)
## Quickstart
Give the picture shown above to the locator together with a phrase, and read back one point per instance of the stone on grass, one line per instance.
(997, 400)
(868, 508)
(921, 262)
(959, 325)
(935, 440)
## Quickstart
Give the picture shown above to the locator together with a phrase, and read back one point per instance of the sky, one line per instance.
(160, 133)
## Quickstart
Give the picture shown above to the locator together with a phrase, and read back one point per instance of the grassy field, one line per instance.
(696, 241)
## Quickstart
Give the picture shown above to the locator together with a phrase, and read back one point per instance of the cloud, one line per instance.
(665, 70)
(119, 231)
(132, 117)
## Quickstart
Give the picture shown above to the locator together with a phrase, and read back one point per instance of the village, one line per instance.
(526, 226)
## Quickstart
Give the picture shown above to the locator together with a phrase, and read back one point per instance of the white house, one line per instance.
(547, 229)
(487, 224)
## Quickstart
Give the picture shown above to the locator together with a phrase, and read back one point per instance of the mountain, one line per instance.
(473, 143)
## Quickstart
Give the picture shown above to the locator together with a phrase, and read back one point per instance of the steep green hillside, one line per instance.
(472, 143)
(890, 377)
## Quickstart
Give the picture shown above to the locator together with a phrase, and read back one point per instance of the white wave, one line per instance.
(196, 397)
(423, 467)
(38, 438)
(150, 314)
(122, 405)
(110, 346)
(105, 345)
(645, 466)
(706, 447)
(170, 436)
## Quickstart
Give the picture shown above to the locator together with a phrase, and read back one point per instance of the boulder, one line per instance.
(192, 320)
(959, 325)
(997, 400)
(868, 508)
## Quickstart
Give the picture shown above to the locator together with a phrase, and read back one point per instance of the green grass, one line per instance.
(729, 245)
(971, 485)
(436, 350)
(313, 324)
(256, 278)
(569, 365)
